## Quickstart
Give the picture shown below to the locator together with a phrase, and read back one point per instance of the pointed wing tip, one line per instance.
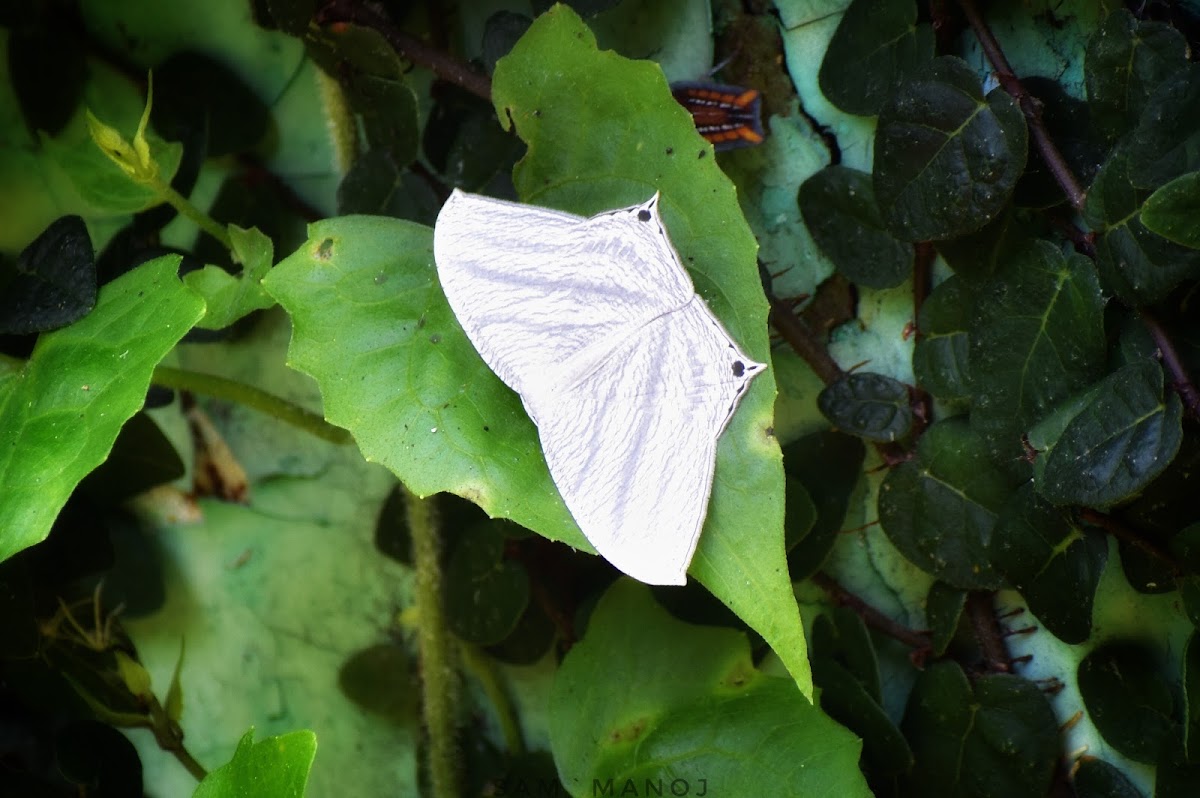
(653, 573)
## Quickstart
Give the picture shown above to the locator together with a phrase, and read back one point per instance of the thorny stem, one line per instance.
(439, 665)
(801, 338)
(1028, 103)
(871, 616)
(441, 64)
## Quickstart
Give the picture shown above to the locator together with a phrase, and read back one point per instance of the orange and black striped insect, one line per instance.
(728, 116)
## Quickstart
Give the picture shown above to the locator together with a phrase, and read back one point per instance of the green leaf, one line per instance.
(1134, 263)
(1037, 337)
(979, 255)
(639, 140)
(276, 767)
(876, 45)
(61, 414)
(1125, 62)
(838, 205)
(1122, 437)
(229, 297)
(939, 508)
(946, 158)
(868, 405)
(996, 736)
(1173, 210)
(380, 679)
(173, 703)
(940, 357)
(1128, 699)
(1166, 142)
(1054, 563)
(646, 697)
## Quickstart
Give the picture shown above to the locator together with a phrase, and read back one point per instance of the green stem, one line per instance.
(438, 667)
(248, 395)
(185, 207)
(483, 669)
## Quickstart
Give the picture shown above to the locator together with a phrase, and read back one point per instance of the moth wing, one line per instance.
(533, 287)
(632, 447)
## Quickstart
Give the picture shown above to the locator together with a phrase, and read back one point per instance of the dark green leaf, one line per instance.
(485, 594)
(870, 406)
(1122, 437)
(940, 357)
(876, 45)
(54, 281)
(1126, 60)
(828, 464)
(47, 71)
(1054, 563)
(193, 91)
(1134, 263)
(529, 639)
(644, 696)
(1191, 692)
(1185, 548)
(98, 759)
(500, 33)
(1173, 211)
(1128, 699)
(380, 679)
(376, 184)
(979, 255)
(947, 158)
(940, 507)
(838, 205)
(1037, 337)
(846, 668)
(1189, 596)
(800, 513)
(1095, 778)
(1166, 142)
(387, 106)
(141, 458)
(996, 737)
(943, 609)
(1175, 776)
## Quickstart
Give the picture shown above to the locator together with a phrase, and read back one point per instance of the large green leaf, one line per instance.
(1037, 337)
(1127, 697)
(602, 132)
(645, 699)
(396, 369)
(940, 507)
(61, 412)
(946, 157)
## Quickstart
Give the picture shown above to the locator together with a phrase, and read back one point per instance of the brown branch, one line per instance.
(440, 63)
(871, 616)
(1029, 105)
(1181, 381)
(799, 335)
(1124, 533)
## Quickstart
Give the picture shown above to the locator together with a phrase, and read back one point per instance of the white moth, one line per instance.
(627, 374)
